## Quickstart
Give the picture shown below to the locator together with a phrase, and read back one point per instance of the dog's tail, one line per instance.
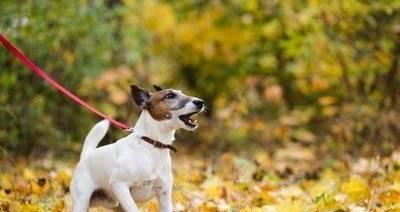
(94, 137)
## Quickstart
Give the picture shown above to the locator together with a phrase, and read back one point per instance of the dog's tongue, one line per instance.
(187, 118)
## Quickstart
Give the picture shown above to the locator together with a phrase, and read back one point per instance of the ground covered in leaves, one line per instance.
(292, 179)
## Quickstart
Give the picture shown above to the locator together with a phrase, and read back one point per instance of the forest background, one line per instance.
(311, 82)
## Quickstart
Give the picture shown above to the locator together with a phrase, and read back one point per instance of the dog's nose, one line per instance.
(199, 103)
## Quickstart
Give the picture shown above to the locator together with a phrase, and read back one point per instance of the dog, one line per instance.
(137, 167)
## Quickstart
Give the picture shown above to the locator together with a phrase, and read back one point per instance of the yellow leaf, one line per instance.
(63, 177)
(31, 208)
(28, 174)
(69, 57)
(59, 206)
(209, 207)
(356, 188)
(153, 207)
(246, 209)
(326, 100)
(327, 202)
(329, 111)
(5, 181)
(212, 187)
(164, 21)
(390, 196)
(40, 186)
(319, 84)
(292, 206)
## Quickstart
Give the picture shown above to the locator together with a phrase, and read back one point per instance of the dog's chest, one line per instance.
(150, 168)
(150, 179)
(145, 190)
(142, 164)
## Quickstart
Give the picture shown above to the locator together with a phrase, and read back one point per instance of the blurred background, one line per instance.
(317, 74)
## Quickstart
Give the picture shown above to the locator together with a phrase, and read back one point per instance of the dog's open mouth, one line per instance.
(188, 120)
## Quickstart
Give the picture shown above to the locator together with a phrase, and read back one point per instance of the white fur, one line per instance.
(94, 137)
(130, 170)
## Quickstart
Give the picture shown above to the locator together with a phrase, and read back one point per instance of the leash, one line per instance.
(35, 69)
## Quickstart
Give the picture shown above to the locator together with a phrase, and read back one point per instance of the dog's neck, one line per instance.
(156, 130)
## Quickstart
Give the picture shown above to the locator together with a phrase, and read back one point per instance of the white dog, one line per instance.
(138, 166)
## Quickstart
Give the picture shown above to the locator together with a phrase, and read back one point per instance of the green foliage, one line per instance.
(69, 39)
(315, 72)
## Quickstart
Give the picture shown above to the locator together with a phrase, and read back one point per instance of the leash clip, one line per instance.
(130, 129)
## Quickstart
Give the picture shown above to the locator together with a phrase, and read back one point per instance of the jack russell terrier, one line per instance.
(138, 166)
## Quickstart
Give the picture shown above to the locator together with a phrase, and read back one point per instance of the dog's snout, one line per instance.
(198, 103)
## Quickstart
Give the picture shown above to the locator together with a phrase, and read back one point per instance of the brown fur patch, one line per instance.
(157, 107)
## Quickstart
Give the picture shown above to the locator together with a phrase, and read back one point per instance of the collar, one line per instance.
(158, 144)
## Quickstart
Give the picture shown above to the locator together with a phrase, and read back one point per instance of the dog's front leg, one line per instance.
(165, 196)
(124, 197)
(120, 186)
(165, 201)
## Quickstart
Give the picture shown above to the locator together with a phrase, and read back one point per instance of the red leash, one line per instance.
(28, 63)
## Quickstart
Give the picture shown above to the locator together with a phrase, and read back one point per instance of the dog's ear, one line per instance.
(158, 88)
(140, 96)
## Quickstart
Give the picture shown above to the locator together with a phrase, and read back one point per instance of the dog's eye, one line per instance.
(170, 96)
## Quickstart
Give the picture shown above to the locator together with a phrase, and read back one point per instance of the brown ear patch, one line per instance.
(158, 108)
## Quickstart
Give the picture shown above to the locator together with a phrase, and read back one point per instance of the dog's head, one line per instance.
(170, 106)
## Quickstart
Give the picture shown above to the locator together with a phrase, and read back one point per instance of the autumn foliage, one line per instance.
(303, 97)
(282, 182)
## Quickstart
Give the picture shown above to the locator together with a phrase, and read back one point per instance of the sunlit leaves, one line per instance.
(356, 188)
(227, 182)
(291, 74)
(390, 197)
(25, 188)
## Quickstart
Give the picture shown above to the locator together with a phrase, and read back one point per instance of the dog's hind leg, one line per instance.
(81, 202)
(81, 190)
